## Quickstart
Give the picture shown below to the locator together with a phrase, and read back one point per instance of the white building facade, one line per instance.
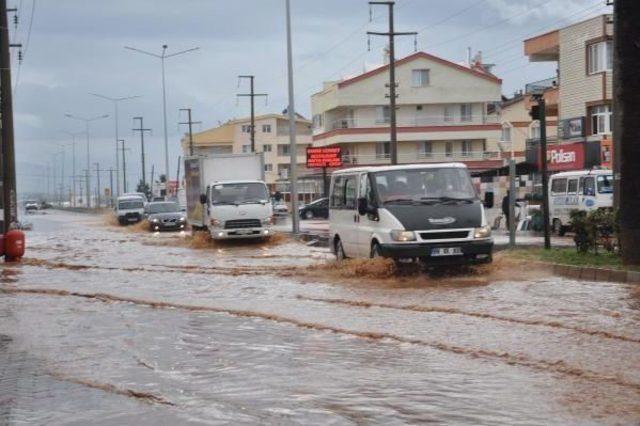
(445, 112)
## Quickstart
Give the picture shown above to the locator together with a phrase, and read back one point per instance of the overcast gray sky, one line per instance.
(77, 46)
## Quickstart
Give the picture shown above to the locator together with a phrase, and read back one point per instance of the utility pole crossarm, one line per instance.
(392, 34)
(252, 95)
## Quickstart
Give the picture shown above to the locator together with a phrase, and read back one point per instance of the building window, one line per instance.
(266, 128)
(448, 113)
(266, 148)
(383, 150)
(268, 167)
(506, 133)
(246, 128)
(283, 171)
(466, 148)
(283, 149)
(448, 149)
(246, 148)
(382, 114)
(601, 120)
(317, 121)
(466, 113)
(425, 149)
(420, 78)
(534, 131)
(600, 57)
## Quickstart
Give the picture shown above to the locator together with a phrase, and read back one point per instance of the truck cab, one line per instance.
(238, 209)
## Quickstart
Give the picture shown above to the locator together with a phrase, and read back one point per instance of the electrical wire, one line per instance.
(26, 46)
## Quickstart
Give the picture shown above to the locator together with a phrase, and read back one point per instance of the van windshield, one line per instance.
(239, 193)
(417, 185)
(130, 204)
(605, 184)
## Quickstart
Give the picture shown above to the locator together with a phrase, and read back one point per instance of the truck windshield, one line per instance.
(424, 185)
(239, 193)
(163, 208)
(605, 184)
(130, 204)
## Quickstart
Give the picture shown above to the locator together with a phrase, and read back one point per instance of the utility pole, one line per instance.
(162, 57)
(190, 123)
(252, 95)
(293, 160)
(99, 188)
(111, 186)
(392, 77)
(124, 167)
(151, 186)
(178, 175)
(6, 111)
(141, 129)
(116, 101)
(626, 125)
(86, 123)
(538, 112)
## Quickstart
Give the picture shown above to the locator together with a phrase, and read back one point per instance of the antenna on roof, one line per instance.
(368, 43)
(370, 14)
(415, 42)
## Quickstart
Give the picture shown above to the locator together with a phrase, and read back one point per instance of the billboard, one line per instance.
(565, 156)
(320, 157)
(571, 128)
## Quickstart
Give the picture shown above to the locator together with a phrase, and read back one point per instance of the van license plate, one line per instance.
(244, 231)
(132, 219)
(446, 251)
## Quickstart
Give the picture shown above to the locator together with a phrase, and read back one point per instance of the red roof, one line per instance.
(475, 72)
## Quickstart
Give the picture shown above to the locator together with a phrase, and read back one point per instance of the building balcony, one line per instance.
(421, 157)
(543, 48)
(424, 121)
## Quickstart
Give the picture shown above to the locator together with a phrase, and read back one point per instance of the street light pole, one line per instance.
(162, 57)
(292, 128)
(116, 101)
(86, 122)
(124, 167)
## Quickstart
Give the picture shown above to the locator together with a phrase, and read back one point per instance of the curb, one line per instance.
(596, 274)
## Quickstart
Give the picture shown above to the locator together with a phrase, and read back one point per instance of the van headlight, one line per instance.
(398, 235)
(482, 232)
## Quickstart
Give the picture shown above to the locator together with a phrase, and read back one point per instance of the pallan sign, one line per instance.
(565, 157)
(320, 157)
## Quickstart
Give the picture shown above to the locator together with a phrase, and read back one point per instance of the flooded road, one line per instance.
(106, 325)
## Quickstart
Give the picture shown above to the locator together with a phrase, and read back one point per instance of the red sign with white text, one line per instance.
(565, 156)
(319, 157)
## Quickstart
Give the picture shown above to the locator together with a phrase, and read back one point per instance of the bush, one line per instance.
(597, 227)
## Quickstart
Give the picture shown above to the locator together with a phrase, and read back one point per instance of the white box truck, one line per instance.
(227, 196)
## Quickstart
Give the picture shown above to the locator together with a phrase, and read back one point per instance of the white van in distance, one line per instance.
(579, 190)
(130, 209)
(429, 212)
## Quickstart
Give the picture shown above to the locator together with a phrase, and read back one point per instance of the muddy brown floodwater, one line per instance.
(102, 325)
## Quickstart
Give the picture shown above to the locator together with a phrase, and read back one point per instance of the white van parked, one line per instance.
(429, 212)
(130, 209)
(579, 190)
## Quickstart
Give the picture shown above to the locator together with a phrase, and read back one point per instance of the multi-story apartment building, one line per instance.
(584, 54)
(445, 112)
(271, 137)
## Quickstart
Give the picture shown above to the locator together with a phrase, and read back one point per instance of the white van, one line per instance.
(429, 212)
(579, 190)
(130, 209)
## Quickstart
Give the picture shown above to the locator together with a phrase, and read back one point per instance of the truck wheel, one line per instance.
(340, 255)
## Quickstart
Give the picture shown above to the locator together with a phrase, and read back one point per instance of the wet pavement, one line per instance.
(106, 325)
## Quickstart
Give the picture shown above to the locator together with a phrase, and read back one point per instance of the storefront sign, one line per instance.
(319, 157)
(571, 128)
(565, 156)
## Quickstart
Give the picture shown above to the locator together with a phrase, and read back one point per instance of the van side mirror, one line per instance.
(362, 206)
(203, 199)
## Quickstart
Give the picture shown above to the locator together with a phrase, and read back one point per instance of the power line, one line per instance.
(26, 45)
